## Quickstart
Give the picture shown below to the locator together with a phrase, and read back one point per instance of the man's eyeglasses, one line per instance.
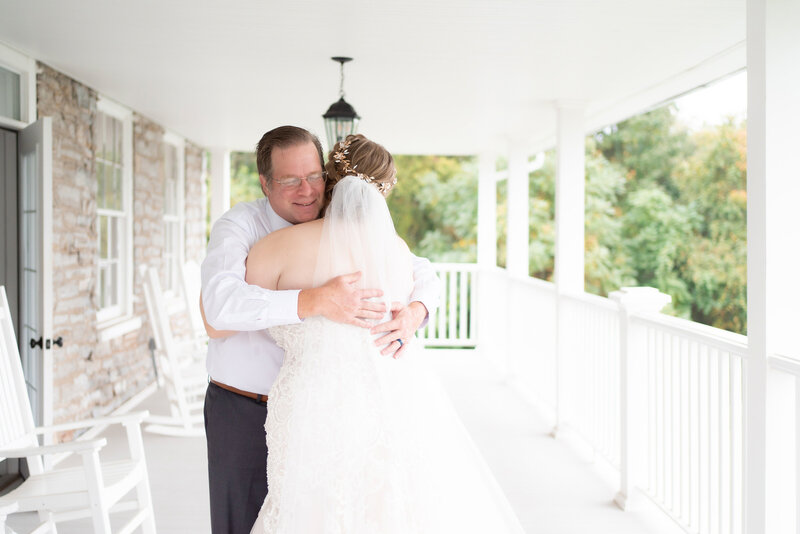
(293, 182)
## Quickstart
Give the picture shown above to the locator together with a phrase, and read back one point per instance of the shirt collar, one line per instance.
(276, 222)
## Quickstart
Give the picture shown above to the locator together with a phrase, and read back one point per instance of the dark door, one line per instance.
(9, 254)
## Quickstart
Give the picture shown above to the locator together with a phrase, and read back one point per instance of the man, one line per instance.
(243, 360)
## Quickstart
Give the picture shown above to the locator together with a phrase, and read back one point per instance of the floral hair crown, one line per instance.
(340, 157)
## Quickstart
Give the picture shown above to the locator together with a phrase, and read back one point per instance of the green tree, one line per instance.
(648, 146)
(434, 206)
(541, 218)
(244, 178)
(654, 232)
(607, 263)
(713, 182)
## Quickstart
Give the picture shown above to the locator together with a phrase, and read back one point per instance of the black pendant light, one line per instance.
(341, 118)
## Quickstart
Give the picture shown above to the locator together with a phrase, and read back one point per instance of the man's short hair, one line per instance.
(282, 137)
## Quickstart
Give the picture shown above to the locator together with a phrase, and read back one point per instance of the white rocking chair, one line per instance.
(95, 488)
(190, 280)
(181, 370)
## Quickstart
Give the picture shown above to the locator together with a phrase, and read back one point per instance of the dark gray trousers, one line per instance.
(237, 459)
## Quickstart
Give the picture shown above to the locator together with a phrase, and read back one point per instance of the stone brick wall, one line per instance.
(148, 210)
(93, 377)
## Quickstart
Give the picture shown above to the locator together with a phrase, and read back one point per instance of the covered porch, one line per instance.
(577, 401)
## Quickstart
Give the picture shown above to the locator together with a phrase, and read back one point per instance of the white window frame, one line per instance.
(117, 320)
(25, 66)
(179, 143)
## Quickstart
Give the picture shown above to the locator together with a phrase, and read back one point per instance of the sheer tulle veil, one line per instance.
(359, 235)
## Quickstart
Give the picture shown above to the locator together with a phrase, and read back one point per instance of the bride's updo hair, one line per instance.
(358, 156)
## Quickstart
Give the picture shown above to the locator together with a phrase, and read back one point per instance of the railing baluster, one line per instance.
(473, 305)
(651, 394)
(441, 331)
(797, 451)
(463, 281)
(452, 311)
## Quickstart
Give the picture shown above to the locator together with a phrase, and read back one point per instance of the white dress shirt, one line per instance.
(250, 360)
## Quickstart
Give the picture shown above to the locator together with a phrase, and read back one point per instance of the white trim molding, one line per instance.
(171, 280)
(25, 66)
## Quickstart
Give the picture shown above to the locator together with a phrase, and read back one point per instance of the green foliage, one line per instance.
(654, 231)
(434, 206)
(683, 210)
(607, 263)
(713, 182)
(502, 219)
(541, 219)
(244, 178)
(647, 146)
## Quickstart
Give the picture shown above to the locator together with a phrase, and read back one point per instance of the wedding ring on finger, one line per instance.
(399, 341)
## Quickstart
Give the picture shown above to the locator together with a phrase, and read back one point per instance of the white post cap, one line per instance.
(640, 299)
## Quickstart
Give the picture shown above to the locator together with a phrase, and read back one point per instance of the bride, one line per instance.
(361, 443)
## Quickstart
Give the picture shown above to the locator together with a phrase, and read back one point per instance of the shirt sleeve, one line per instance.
(229, 302)
(426, 285)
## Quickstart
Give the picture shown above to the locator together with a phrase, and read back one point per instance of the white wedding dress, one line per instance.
(361, 443)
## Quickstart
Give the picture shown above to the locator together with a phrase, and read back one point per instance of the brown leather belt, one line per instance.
(255, 396)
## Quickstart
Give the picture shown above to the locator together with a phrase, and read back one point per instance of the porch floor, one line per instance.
(554, 486)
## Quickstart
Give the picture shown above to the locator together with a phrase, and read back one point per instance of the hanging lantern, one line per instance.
(341, 118)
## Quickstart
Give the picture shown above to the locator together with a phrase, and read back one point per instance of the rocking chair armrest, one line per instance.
(128, 418)
(72, 446)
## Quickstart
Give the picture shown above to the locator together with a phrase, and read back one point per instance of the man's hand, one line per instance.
(339, 300)
(405, 321)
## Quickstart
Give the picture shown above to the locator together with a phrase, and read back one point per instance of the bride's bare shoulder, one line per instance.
(289, 236)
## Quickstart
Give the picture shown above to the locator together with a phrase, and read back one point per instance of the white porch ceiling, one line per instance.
(436, 77)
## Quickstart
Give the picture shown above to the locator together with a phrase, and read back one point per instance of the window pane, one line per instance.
(108, 138)
(98, 133)
(9, 94)
(103, 237)
(118, 141)
(101, 284)
(116, 188)
(113, 246)
(113, 286)
(100, 170)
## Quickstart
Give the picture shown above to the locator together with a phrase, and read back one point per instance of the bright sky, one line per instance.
(711, 105)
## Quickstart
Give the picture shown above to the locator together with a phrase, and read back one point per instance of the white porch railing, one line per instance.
(694, 402)
(452, 324)
(685, 387)
(589, 350)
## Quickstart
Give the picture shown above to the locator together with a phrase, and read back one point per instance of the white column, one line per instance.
(773, 190)
(570, 187)
(569, 249)
(220, 182)
(487, 211)
(518, 230)
(633, 392)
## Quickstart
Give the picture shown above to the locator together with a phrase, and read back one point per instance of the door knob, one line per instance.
(58, 341)
(35, 343)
